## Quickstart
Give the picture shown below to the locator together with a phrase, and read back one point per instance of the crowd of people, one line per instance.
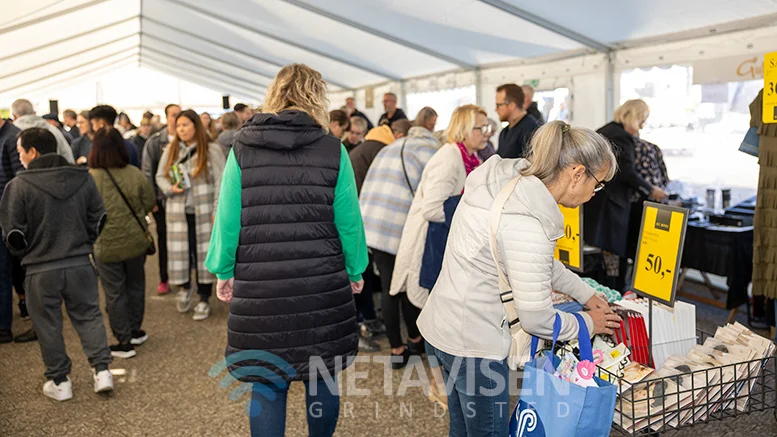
(299, 215)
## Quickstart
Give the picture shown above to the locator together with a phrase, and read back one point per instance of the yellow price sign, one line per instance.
(569, 248)
(660, 251)
(770, 88)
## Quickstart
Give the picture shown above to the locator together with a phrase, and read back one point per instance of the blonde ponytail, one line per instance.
(556, 145)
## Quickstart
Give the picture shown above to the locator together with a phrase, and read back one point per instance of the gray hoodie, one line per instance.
(63, 148)
(68, 214)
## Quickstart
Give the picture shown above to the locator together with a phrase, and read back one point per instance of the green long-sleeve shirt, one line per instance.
(226, 229)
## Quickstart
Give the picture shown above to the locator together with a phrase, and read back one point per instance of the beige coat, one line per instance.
(443, 177)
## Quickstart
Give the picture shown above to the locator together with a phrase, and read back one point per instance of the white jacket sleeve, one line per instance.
(570, 284)
(162, 177)
(438, 182)
(527, 254)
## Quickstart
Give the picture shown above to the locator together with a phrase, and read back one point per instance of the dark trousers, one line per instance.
(161, 235)
(391, 304)
(268, 413)
(6, 289)
(365, 305)
(204, 290)
(77, 287)
(124, 284)
(18, 275)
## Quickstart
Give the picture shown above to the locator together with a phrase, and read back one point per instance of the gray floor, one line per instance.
(167, 391)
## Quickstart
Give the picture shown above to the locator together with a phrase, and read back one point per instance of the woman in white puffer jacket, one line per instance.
(463, 321)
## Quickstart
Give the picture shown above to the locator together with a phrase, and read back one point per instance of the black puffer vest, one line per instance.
(292, 296)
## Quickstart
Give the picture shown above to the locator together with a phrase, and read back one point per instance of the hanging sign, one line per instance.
(660, 251)
(770, 88)
(569, 248)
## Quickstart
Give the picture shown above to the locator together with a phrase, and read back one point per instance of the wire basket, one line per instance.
(687, 399)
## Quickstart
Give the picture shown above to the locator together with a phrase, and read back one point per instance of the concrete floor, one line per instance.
(167, 391)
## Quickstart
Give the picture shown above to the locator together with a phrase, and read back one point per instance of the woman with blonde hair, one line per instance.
(442, 178)
(189, 175)
(289, 252)
(607, 215)
(464, 321)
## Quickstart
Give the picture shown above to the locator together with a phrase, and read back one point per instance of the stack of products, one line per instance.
(605, 293)
(715, 376)
(674, 329)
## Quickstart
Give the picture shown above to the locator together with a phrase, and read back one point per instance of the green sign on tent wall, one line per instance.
(533, 82)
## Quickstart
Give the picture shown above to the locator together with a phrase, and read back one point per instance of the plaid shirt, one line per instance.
(385, 197)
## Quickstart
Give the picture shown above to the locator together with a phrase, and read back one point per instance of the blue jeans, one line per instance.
(6, 289)
(478, 395)
(268, 416)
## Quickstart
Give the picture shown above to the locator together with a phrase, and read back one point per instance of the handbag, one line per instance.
(750, 142)
(151, 244)
(521, 340)
(434, 248)
(551, 406)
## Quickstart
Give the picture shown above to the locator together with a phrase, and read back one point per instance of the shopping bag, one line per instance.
(750, 143)
(434, 248)
(550, 406)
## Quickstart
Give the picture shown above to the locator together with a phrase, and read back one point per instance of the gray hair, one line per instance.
(425, 114)
(22, 107)
(528, 90)
(556, 146)
(360, 122)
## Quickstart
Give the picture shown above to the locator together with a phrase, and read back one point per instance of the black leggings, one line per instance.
(390, 304)
(17, 276)
(161, 233)
(364, 303)
(204, 290)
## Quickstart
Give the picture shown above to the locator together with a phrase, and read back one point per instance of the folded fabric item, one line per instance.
(612, 295)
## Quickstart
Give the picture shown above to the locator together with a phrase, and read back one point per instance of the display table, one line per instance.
(723, 251)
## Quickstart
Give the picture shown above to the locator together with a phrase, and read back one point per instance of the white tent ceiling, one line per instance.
(237, 46)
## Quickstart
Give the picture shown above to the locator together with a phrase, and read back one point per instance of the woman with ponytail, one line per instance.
(463, 321)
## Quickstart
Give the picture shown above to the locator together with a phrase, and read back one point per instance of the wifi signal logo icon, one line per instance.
(252, 407)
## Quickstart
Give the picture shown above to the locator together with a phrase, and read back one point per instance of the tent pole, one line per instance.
(609, 94)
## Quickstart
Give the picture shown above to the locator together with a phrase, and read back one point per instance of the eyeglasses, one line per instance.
(501, 104)
(599, 184)
(485, 129)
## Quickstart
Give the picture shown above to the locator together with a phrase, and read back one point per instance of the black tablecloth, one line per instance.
(722, 253)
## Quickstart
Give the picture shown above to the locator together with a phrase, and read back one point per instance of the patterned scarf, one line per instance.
(471, 162)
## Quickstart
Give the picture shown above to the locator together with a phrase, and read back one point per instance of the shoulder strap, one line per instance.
(404, 170)
(126, 202)
(505, 292)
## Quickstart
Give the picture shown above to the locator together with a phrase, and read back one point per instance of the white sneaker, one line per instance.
(184, 300)
(103, 381)
(61, 392)
(201, 311)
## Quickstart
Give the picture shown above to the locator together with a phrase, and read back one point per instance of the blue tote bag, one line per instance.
(434, 248)
(551, 407)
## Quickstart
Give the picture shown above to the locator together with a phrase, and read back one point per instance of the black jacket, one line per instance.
(82, 146)
(398, 115)
(513, 141)
(152, 153)
(606, 215)
(534, 111)
(292, 296)
(10, 165)
(357, 113)
(51, 212)
(361, 160)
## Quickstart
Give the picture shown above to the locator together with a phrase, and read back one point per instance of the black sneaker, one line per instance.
(376, 327)
(126, 350)
(416, 348)
(401, 360)
(139, 337)
(6, 336)
(26, 337)
(25, 315)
